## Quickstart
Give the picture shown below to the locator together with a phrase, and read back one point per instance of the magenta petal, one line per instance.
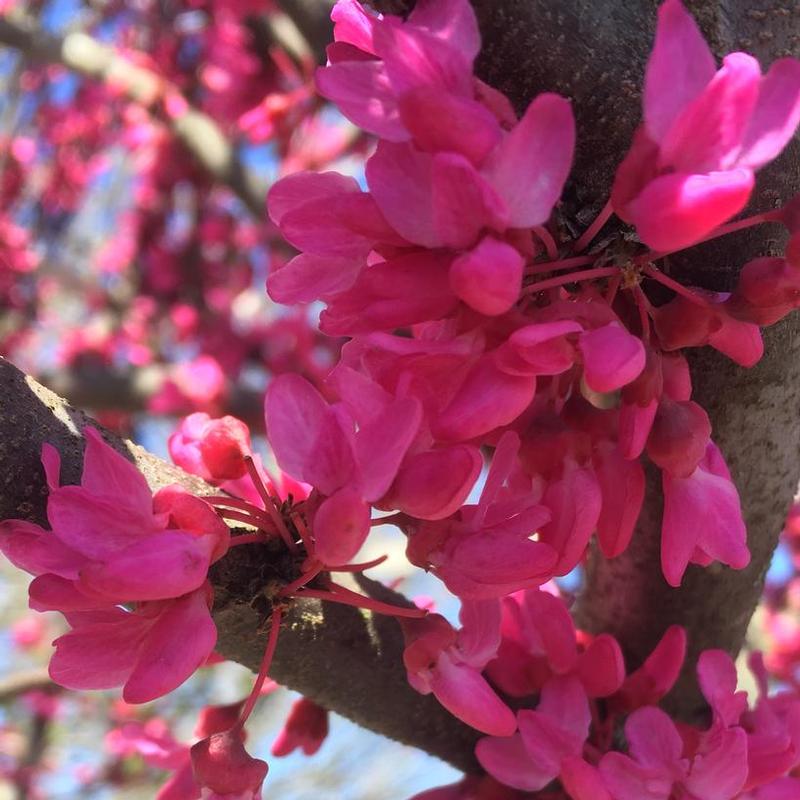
(612, 357)
(679, 68)
(168, 655)
(653, 739)
(432, 485)
(529, 167)
(563, 701)
(708, 133)
(161, 566)
(635, 422)
(363, 93)
(720, 773)
(622, 484)
(464, 692)
(295, 191)
(443, 122)
(507, 760)
(488, 278)
(381, 445)
(51, 463)
(352, 24)
(35, 550)
(716, 674)
(98, 655)
(540, 349)
(582, 781)
(96, 526)
(776, 115)
(463, 202)
(487, 399)
(677, 210)
(479, 636)
(340, 527)
(109, 475)
(740, 341)
(451, 21)
(308, 277)
(549, 630)
(53, 593)
(627, 780)
(601, 667)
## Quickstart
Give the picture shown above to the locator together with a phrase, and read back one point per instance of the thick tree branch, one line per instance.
(198, 133)
(348, 660)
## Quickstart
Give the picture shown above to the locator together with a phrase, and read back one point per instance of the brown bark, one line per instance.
(347, 660)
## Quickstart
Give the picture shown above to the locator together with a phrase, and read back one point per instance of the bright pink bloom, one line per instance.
(702, 519)
(225, 770)
(659, 764)
(705, 132)
(306, 728)
(550, 739)
(448, 663)
(112, 543)
(319, 444)
(214, 449)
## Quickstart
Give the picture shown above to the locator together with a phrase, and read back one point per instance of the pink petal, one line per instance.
(308, 277)
(540, 349)
(381, 445)
(348, 226)
(548, 630)
(507, 760)
(716, 674)
(635, 422)
(294, 191)
(740, 341)
(158, 567)
(432, 485)
(35, 550)
(99, 655)
(679, 68)
(622, 484)
(96, 526)
(464, 692)
(776, 115)
(51, 462)
(653, 739)
(575, 502)
(563, 702)
(169, 655)
(364, 94)
(601, 667)
(487, 399)
(707, 134)
(612, 357)
(340, 527)
(677, 210)
(720, 773)
(52, 593)
(488, 278)
(451, 21)
(353, 25)
(530, 166)
(627, 780)
(305, 437)
(109, 475)
(440, 121)
(582, 781)
(399, 177)
(479, 636)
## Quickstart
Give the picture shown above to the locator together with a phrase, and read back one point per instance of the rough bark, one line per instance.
(348, 660)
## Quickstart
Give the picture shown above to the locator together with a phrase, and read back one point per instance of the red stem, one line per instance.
(305, 578)
(266, 661)
(339, 594)
(573, 277)
(364, 565)
(548, 241)
(558, 266)
(679, 288)
(248, 538)
(592, 231)
(269, 505)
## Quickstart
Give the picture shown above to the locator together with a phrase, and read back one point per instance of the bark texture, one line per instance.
(348, 660)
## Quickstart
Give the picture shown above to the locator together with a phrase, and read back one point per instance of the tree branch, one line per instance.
(198, 133)
(347, 660)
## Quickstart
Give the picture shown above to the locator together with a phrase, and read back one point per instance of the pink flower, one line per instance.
(659, 764)
(214, 449)
(448, 663)
(225, 770)
(702, 519)
(113, 543)
(705, 132)
(306, 727)
(549, 743)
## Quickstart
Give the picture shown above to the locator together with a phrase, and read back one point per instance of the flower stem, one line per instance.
(592, 231)
(547, 240)
(558, 266)
(678, 288)
(573, 277)
(266, 661)
(338, 594)
(248, 538)
(270, 505)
